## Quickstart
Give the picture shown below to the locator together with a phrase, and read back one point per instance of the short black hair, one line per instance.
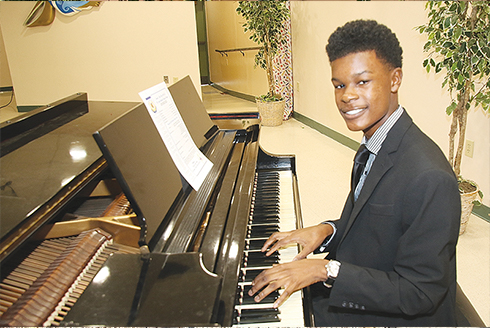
(364, 35)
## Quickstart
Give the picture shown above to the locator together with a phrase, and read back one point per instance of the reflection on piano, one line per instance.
(76, 253)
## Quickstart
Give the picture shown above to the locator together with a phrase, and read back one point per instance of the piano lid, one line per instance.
(140, 161)
(32, 174)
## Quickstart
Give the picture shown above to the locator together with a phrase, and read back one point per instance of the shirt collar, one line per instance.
(376, 141)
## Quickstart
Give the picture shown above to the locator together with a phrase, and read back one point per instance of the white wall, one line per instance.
(111, 52)
(421, 93)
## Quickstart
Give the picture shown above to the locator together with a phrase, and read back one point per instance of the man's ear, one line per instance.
(396, 79)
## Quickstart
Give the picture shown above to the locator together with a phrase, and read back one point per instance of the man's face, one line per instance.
(365, 90)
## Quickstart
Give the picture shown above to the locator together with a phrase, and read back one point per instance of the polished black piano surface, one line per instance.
(34, 171)
(178, 257)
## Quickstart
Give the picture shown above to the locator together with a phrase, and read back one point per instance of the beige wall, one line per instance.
(234, 72)
(421, 93)
(5, 79)
(111, 52)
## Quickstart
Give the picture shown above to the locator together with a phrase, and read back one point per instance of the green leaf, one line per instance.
(447, 22)
(454, 67)
(457, 32)
(451, 108)
(438, 67)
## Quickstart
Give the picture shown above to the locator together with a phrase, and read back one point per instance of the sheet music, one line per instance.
(190, 161)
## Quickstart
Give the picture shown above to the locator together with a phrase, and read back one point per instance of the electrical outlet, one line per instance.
(470, 145)
(165, 79)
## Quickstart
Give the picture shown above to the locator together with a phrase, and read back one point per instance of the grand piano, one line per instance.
(98, 227)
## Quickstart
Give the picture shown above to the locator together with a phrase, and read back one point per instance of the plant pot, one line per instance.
(271, 112)
(467, 199)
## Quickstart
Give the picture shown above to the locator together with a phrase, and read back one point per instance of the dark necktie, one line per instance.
(360, 160)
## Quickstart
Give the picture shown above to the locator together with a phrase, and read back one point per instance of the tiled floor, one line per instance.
(323, 169)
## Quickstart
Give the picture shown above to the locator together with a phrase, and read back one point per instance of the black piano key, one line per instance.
(259, 259)
(243, 298)
(261, 219)
(250, 260)
(268, 173)
(271, 183)
(264, 227)
(268, 185)
(257, 263)
(255, 244)
(269, 197)
(251, 274)
(258, 255)
(266, 204)
(269, 192)
(271, 298)
(265, 200)
(261, 233)
(265, 213)
(268, 180)
(248, 316)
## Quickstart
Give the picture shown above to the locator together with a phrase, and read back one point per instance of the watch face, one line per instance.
(333, 268)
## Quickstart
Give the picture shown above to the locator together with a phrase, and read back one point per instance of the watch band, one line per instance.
(332, 268)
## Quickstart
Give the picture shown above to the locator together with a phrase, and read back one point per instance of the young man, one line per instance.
(392, 254)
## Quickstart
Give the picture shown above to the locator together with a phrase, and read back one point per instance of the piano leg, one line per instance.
(272, 210)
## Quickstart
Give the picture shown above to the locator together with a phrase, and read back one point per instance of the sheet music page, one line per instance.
(190, 161)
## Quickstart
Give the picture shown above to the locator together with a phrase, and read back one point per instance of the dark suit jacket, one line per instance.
(397, 243)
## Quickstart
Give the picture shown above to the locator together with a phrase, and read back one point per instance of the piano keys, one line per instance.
(189, 244)
(272, 210)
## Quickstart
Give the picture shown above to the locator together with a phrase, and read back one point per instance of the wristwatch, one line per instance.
(332, 268)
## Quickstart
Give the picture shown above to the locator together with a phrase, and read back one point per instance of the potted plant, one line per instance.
(458, 43)
(264, 20)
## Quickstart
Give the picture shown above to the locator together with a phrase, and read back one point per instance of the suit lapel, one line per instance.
(381, 165)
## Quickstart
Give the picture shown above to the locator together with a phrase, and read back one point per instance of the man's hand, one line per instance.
(310, 238)
(291, 276)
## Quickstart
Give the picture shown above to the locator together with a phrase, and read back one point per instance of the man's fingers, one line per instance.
(281, 299)
(274, 238)
(259, 294)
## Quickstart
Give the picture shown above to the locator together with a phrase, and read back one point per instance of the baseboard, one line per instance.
(339, 137)
(233, 93)
(482, 211)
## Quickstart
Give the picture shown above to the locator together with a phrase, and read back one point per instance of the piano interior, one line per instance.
(124, 240)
